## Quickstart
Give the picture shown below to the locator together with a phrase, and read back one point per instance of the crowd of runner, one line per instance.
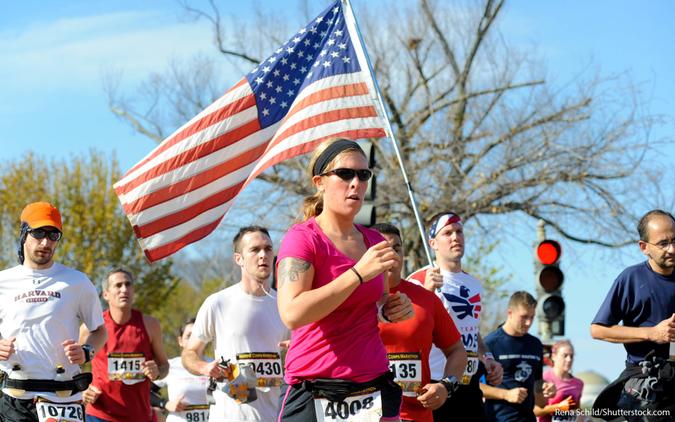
(343, 336)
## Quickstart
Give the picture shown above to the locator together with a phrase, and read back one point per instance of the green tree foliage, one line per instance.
(97, 236)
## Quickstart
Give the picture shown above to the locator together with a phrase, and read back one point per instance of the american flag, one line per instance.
(314, 87)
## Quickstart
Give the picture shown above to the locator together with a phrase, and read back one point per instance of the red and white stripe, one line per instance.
(180, 192)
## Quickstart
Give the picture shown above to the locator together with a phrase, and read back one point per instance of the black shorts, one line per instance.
(17, 410)
(465, 404)
(296, 402)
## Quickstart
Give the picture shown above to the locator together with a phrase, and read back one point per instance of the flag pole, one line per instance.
(388, 129)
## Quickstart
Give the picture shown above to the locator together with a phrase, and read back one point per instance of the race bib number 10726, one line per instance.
(61, 412)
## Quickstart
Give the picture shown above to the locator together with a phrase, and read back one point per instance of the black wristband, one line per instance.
(88, 350)
(357, 274)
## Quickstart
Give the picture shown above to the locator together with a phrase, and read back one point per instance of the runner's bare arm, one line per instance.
(154, 329)
(660, 333)
(192, 360)
(298, 303)
(514, 395)
(455, 363)
(96, 338)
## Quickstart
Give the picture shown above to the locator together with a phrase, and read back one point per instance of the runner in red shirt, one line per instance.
(408, 343)
(131, 358)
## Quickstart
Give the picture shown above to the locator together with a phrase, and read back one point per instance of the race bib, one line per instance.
(356, 408)
(195, 413)
(407, 369)
(471, 367)
(267, 367)
(59, 412)
(126, 367)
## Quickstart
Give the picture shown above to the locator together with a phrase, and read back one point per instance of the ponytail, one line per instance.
(312, 206)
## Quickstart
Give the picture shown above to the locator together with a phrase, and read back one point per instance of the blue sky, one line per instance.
(53, 56)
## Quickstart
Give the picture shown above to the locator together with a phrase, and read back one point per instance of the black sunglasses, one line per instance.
(39, 234)
(348, 174)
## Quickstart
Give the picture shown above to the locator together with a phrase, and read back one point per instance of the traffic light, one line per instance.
(367, 215)
(549, 277)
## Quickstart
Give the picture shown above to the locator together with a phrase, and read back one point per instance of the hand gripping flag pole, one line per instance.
(351, 20)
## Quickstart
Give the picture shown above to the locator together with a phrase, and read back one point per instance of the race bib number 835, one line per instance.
(407, 369)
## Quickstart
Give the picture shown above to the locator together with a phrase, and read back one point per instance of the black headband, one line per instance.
(331, 152)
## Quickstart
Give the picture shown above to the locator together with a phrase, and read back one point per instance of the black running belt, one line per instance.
(80, 382)
(338, 390)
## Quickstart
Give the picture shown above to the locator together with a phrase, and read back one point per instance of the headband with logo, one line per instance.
(441, 221)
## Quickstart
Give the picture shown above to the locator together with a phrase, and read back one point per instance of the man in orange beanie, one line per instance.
(44, 304)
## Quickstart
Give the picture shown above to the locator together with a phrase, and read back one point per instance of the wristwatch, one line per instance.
(89, 351)
(450, 383)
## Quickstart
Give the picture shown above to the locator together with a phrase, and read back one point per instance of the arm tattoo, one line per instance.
(290, 269)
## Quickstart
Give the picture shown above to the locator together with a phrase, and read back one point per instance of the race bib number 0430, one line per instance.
(358, 408)
(267, 367)
(126, 367)
(407, 369)
(59, 412)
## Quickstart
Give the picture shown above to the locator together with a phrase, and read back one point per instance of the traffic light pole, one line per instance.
(543, 326)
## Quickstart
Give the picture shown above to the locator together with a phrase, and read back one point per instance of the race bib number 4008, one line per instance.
(126, 367)
(61, 412)
(357, 408)
(407, 369)
(267, 367)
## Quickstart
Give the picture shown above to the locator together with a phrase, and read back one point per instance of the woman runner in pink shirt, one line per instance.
(560, 408)
(330, 281)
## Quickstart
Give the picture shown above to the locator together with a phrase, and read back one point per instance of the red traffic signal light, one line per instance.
(550, 277)
(548, 252)
(551, 306)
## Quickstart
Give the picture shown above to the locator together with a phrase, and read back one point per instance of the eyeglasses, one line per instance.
(348, 174)
(664, 244)
(39, 234)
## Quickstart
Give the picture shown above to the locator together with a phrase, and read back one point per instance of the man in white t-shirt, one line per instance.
(244, 325)
(461, 296)
(42, 304)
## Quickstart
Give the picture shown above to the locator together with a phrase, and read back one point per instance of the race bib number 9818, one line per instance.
(195, 413)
